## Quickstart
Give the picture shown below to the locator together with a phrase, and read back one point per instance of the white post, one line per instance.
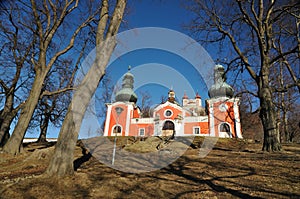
(118, 111)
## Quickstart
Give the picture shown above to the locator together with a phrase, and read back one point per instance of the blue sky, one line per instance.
(162, 69)
(163, 14)
(158, 13)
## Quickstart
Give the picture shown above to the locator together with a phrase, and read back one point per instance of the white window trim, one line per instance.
(196, 127)
(116, 134)
(140, 131)
(230, 130)
(165, 113)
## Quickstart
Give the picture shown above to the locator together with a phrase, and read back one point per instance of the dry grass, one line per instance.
(233, 169)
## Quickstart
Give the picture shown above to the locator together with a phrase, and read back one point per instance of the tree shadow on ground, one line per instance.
(37, 145)
(219, 183)
(224, 173)
(84, 158)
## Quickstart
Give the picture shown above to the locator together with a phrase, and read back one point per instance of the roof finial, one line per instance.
(185, 96)
(129, 67)
(197, 96)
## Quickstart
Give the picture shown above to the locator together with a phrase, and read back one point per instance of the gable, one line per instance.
(168, 110)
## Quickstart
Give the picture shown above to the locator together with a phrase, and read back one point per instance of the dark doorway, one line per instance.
(168, 128)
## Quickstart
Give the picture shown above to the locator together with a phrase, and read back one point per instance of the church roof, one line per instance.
(126, 94)
(220, 88)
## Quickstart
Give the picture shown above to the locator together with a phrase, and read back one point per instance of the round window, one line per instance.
(168, 113)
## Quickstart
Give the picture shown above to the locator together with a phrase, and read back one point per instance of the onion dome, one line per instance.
(220, 88)
(126, 94)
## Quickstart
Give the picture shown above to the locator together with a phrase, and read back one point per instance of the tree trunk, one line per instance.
(44, 127)
(5, 138)
(285, 127)
(14, 144)
(6, 118)
(268, 117)
(61, 163)
(4, 129)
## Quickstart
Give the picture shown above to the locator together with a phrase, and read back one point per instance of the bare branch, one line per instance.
(102, 23)
(77, 63)
(56, 24)
(16, 109)
(3, 85)
(38, 22)
(239, 52)
(282, 55)
(53, 7)
(286, 87)
(246, 92)
(293, 75)
(253, 11)
(247, 17)
(47, 12)
(49, 93)
(116, 18)
(71, 43)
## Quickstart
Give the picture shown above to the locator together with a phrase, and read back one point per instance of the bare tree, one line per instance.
(51, 109)
(48, 19)
(293, 123)
(15, 70)
(61, 163)
(106, 88)
(103, 95)
(261, 35)
(53, 106)
(145, 104)
(163, 99)
(250, 121)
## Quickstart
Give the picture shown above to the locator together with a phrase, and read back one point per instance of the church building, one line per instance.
(219, 117)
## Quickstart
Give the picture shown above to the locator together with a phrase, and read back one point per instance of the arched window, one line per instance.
(225, 128)
(117, 130)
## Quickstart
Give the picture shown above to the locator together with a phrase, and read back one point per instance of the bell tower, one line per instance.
(122, 110)
(171, 97)
(185, 99)
(223, 108)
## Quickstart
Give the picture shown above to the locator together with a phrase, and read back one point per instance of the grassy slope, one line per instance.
(233, 169)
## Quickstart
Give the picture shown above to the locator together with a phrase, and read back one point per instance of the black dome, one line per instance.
(220, 88)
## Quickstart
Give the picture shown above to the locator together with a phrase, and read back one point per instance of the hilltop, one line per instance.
(235, 168)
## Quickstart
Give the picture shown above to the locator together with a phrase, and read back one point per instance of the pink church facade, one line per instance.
(219, 117)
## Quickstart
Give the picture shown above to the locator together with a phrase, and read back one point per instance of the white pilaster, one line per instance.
(107, 120)
(237, 118)
(128, 118)
(211, 120)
